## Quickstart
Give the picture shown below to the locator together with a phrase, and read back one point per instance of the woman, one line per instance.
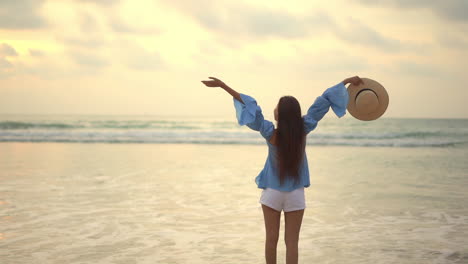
(286, 173)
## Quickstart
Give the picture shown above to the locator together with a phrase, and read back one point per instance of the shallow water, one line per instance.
(195, 203)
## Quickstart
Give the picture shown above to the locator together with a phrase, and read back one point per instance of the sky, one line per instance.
(122, 57)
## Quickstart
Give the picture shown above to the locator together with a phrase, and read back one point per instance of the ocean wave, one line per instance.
(25, 125)
(15, 125)
(213, 126)
(230, 141)
(390, 133)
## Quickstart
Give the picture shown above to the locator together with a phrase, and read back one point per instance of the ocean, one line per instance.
(391, 132)
(147, 189)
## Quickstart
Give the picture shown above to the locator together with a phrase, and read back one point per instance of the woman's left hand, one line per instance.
(355, 80)
(214, 82)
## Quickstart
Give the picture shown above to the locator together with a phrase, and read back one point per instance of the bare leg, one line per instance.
(293, 221)
(272, 225)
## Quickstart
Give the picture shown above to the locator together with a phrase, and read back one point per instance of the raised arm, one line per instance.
(335, 97)
(247, 111)
(218, 83)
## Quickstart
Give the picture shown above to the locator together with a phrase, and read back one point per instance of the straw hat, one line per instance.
(367, 101)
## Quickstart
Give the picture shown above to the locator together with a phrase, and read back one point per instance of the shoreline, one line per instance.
(461, 145)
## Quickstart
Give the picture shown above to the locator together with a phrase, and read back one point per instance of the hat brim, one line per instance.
(378, 89)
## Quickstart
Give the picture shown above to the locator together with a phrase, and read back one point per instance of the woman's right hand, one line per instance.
(355, 80)
(214, 83)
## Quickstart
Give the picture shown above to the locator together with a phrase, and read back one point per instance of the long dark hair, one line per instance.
(291, 138)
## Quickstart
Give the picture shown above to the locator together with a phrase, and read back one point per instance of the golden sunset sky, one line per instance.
(148, 57)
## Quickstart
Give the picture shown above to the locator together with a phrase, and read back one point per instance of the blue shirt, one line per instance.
(250, 114)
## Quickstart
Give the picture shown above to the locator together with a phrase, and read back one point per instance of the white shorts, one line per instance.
(286, 201)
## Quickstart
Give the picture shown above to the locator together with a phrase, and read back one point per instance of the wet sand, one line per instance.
(189, 203)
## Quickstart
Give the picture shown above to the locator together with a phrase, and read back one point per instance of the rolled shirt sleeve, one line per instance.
(250, 114)
(336, 97)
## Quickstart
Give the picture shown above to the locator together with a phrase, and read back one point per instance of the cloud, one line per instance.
(7, 50)
(233, 20)
(4, 64)
(358, 33)
(90, 35)
(419, 70)
(144, 60)
(21, 14)
(261, 22)
(88, 23)
(236, 18)
(36, 53)
(6, 67)
(454, 10)
(412, 68)
(49, 70)
(119, 26)
(88, 60)
(100, 2)
(451, 40)
(83, 41)
(136, 57)
(332, 61)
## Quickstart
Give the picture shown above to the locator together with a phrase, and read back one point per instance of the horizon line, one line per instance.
(195, 116)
